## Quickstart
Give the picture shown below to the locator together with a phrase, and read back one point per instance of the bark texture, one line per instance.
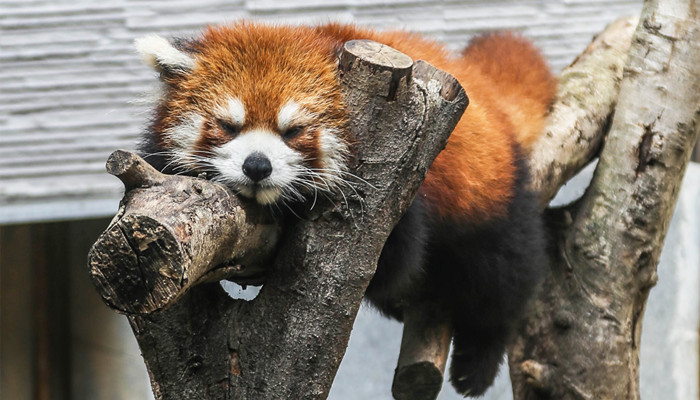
(581, 340)
(288, 343)
(581, 114)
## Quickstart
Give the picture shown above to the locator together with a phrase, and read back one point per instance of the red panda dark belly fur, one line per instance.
(472, 241)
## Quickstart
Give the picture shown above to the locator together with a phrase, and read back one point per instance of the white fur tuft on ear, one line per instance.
(159, 53)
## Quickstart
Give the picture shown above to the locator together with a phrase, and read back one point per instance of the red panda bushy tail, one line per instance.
(522, 82)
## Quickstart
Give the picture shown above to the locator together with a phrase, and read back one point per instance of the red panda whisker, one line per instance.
(175, 165)
(343, 172)
(337, 181)
(158, 153)
(189, 163)
(226, 181)
(209, 153)
(291, 196)
(339, 178)
(305, 175)
(312, 182)
(336, 185)
(315, 197)
(290, 209)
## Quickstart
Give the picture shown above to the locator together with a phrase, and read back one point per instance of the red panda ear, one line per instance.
(160, 54)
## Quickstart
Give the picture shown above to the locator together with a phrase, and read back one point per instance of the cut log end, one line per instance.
(128, 266)
(379, 55)
(450, 88)
(382, 60)
(420, 381)
(424, 349)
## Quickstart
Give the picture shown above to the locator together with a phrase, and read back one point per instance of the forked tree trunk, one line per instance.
(581, 338)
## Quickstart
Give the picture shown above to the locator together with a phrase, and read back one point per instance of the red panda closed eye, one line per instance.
(259, 108)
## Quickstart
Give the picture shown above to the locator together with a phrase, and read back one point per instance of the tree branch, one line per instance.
(580, 116)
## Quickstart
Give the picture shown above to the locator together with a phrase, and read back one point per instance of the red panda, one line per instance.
(259, 108)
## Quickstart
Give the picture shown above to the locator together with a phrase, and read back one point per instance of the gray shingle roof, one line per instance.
(68, 75)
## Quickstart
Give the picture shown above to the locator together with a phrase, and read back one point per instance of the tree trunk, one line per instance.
(581, 338)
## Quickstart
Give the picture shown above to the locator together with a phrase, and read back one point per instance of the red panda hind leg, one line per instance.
(482, 274)
(487, 275)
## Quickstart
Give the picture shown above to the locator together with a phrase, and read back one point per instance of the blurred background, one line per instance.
(71, 92)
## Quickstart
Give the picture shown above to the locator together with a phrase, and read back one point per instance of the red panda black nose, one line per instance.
(257, 167)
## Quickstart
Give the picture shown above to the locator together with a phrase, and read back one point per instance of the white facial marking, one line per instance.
(233, 111)
(291, 113)
(285, 161)
(158, 52)
(334, 152)
(184, 135)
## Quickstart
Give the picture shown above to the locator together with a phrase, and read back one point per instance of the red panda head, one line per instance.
(258, 108)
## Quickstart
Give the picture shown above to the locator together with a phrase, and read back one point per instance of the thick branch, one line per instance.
(580, 116)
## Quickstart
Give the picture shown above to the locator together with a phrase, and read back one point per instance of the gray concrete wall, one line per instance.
(669, 353)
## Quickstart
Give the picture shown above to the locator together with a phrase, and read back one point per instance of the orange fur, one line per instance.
(520, 78)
